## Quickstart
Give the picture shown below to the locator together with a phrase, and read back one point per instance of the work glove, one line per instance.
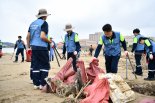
(132, 53)
(143, 54)
(126, 53)
(92, 59)
(28, 49)
(151, 56)
(75, 52)
(52, 45)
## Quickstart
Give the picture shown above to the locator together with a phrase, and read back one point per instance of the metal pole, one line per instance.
(132, 66)
(57, 53)
(126, 68)
(56, 58)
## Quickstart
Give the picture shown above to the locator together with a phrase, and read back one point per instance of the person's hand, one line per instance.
(92, 59)
(28, 49)
(75, 52)
(52, 45)
(151, 56)
(132, 53)
(126, 53)
(143, 54)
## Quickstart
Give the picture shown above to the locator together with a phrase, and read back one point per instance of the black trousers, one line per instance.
(111, 63)
(138, 57)
(40, 66)
(151, 68)
(19, 50)
(71, 54)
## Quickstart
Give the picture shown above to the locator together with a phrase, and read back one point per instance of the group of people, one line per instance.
(112, 50)
(37, 40)
(144, 46)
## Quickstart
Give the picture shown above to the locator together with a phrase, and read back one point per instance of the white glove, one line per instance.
(151, 56)
(133, 54)
(75, 52)
(52, 44)
(28, 49)
(92, 59)
(126, 53)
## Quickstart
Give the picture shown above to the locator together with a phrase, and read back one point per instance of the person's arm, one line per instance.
(98, 49)
(148, 44)
(28, 39)
(43, 37)
(64, 49)
(44, 32)
(135, 41)
(123, 42)
(77, 46)
(77, 43)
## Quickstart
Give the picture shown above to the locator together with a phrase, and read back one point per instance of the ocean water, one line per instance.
(7, 50)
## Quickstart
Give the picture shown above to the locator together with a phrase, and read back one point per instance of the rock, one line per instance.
(120, 92)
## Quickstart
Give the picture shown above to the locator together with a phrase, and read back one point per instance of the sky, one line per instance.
(86, 16)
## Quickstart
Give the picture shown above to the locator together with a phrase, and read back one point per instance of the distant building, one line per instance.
(93, 40)
(87, 43)
(129, 40)
(95, 37)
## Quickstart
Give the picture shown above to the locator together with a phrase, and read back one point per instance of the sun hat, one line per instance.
(42, 12)
(68, 27)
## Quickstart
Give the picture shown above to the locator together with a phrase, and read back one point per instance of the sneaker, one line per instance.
(36, 87)
(40, 87)
(149, 79)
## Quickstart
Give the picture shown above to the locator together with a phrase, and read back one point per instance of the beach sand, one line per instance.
(16, 86)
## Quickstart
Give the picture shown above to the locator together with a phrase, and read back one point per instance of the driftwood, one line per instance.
(82, 89)
(75, 100)
(64, 90)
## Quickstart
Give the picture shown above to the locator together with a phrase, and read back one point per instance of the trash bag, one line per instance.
(93, 70)
(65, 75)
(81, 66)
(97, 92)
